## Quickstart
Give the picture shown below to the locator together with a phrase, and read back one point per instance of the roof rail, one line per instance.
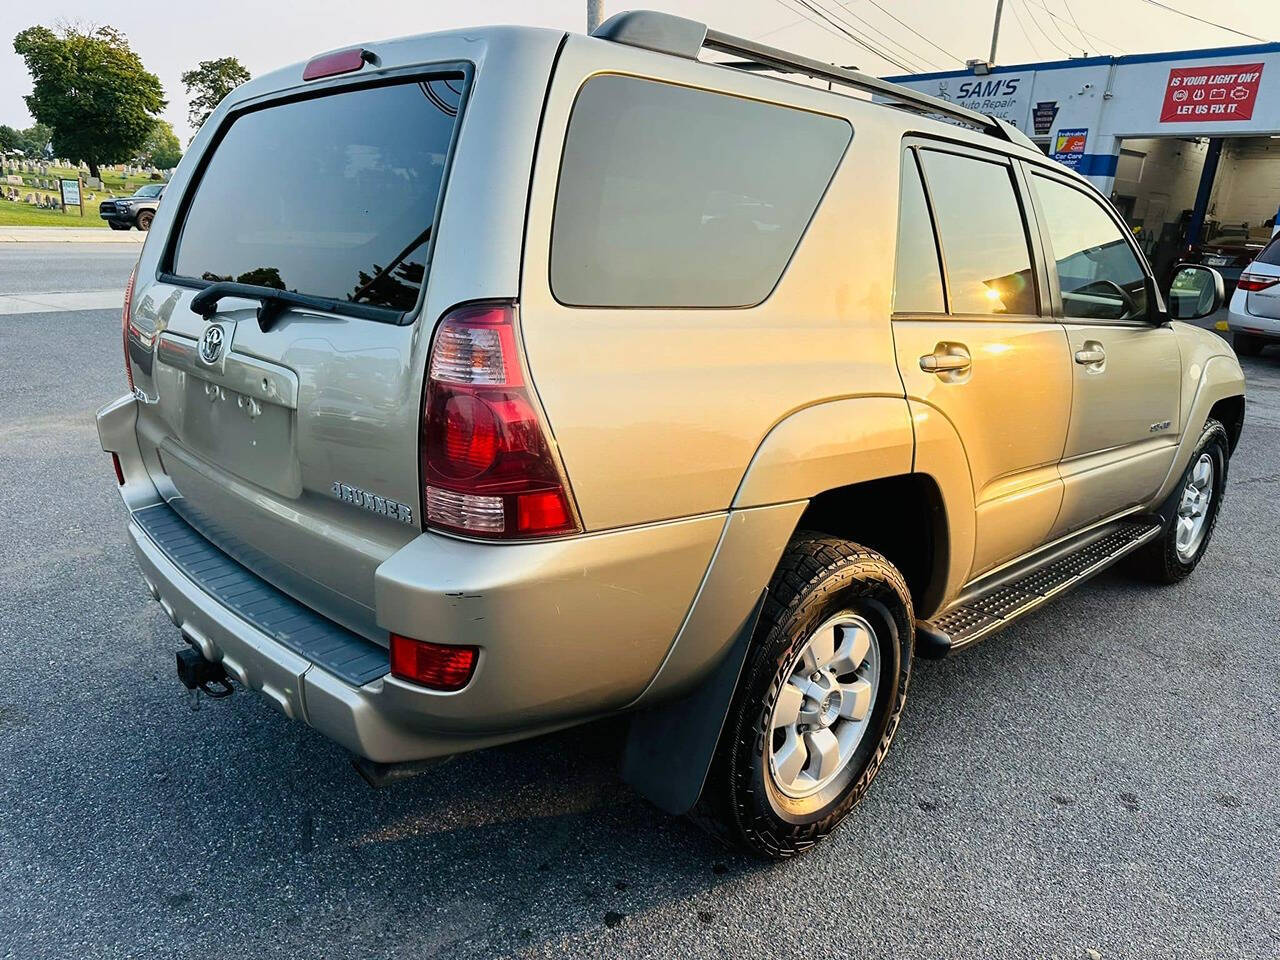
(666, 33)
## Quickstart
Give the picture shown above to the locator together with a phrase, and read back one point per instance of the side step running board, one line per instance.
(978, 615)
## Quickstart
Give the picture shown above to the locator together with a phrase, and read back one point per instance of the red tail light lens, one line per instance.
(488, 467)
(1256, 281)
(124, 324)
(435, 665)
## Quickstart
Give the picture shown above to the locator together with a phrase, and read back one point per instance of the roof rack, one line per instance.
(667, 33)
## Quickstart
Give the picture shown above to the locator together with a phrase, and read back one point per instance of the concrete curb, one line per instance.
(69, 235)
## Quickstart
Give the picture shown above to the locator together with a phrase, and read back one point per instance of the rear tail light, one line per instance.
(488, 465)
(1256, 281)
(124, 324)
(435, 665)
(115, 462)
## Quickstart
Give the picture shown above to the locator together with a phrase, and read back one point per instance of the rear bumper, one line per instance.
(568, 629)
(348, 714)
(1239, 320)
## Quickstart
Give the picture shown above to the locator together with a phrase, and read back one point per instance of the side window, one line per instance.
(984, 240)
(674, 197)
(1098, 274)
(917, 278)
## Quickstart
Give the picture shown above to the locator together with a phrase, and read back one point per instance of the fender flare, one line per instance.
(1220, 378)
(830, 444)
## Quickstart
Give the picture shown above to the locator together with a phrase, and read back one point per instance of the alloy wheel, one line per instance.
(824, 707)
(1193, 509)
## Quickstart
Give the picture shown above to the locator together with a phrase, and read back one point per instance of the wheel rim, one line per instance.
(1193, 509)
(824, 707)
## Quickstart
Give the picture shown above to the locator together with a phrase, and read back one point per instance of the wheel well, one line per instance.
(1229, 411)
(901, 517)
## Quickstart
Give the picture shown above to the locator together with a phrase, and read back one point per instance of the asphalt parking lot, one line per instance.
(1099, 780)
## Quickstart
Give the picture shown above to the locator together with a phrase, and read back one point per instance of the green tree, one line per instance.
(208, 84)
(92, 90)
(162, 148)
(30, 141)
(35, 138)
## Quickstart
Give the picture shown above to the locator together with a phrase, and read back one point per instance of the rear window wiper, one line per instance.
(272, 302)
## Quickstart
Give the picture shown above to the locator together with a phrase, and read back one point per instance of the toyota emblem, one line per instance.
(211, 344)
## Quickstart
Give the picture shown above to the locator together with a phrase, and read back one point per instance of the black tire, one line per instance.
(818, 577)
(1247, 344)
(144, 220)
(1158, 561)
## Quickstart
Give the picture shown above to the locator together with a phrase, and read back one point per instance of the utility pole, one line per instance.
(595, 14)
(995, 32)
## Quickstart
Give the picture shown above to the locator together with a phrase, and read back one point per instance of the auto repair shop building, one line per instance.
(1186, 144)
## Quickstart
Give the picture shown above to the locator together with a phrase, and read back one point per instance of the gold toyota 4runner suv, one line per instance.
(492, 381)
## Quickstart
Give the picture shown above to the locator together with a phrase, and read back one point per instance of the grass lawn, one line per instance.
(23, 215)
(115, 184)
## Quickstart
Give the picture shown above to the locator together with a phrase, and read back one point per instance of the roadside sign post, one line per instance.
(71, 194)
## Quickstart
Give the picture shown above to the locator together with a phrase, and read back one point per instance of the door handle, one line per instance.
(940, 362)
(1091, 355)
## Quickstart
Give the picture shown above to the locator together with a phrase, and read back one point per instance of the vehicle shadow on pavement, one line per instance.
(242, 818)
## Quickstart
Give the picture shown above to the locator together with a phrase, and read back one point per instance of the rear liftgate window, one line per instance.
(333, 196)
(672, 197)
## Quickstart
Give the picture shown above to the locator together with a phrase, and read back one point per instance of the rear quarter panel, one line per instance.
(659, 412)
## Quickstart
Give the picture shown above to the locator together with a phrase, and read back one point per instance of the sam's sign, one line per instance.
(1002, 97)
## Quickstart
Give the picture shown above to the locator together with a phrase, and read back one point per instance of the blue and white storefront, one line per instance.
(1151, 130)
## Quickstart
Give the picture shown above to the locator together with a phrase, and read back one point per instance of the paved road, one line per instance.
(33, 268)
(1100, 777)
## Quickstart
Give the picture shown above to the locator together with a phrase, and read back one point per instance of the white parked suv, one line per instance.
(1254, 314)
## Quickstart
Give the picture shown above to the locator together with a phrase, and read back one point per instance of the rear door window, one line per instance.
(984, 240)
(333, 196)
(1098, 273)
(917, 280)
(675, 197)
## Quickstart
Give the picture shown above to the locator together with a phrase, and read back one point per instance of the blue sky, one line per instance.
(264, 35)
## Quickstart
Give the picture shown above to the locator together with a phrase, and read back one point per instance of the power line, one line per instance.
(904, 60)
(786, 26)
(844, 5)
(913, 30)
(916, 63)
(1053, 21)
(1192, 16)
(1031, 43)
(824, 22)
(1044, 33)
(861, 41)
(1102, 40)
(1071, 14)
(809, 17)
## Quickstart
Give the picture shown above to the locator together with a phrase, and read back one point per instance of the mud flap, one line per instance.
(670, 747)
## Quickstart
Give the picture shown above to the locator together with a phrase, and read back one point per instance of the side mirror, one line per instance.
(1196, 292)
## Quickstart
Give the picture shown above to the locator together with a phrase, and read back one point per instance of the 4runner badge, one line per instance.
(372, 502)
